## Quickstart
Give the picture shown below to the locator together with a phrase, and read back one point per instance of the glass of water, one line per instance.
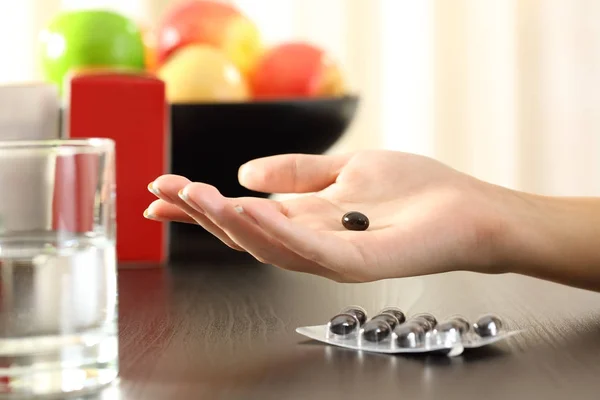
(58, 286)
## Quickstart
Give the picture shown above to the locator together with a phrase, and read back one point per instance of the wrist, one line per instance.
(552, 238)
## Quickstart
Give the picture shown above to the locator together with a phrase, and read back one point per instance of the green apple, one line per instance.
(89, 39)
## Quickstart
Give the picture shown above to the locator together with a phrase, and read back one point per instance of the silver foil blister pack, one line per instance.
(391, 331)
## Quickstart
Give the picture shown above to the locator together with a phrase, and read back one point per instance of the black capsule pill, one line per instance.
(488, 325)
(355, 221)
(358, 312)
(462, 324)
(410, 335)
(424, 323)
(376, 330)
(343, 324)
(449, 328)
(396, 312)
(428, 317)
(387, 317)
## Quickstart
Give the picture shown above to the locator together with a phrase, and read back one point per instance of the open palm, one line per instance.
(424, 217)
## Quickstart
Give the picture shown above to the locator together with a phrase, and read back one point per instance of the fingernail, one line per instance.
(154, 190)
(147, 214)
(243, 173)
(240, 210)
(184, 196)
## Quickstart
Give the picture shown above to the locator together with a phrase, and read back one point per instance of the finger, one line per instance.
(230, 218)
(291, 173)
(160, 210)
(167, 187)
(321, 248)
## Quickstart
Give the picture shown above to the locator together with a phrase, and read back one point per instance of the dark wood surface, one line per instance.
(227, 331)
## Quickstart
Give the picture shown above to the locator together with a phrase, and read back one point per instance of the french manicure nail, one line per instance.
(153, 189)
(148, 215)
(244, 172)
(240, 210)
(184, 196)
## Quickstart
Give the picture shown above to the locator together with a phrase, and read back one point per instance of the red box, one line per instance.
(131, 110)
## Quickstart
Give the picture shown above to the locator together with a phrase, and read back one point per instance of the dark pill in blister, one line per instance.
(462, 324)
(410, 335)
(396, 312)
(429, 317)
(376, 330)
(488, 325)
(355, 221)
(428, 321)
(387, 317)
(425, 324)
(343, 324)
(449, 328)
(358, 312)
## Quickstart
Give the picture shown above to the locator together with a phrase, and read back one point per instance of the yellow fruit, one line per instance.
(242, 44)
(213, 23)
(201, 73)
(332, 82)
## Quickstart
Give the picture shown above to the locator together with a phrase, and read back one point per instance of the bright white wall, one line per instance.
(506, 90)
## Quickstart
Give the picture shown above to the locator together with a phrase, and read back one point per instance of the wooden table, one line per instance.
(225, 330)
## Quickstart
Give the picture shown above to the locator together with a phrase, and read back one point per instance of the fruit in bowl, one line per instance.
(201, 74)
(284, 71)
(297, 69)
(149, 40)
(212, 23)
(89, 38)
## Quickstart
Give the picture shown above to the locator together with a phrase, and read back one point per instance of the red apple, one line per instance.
(296, 70)
(213, 23)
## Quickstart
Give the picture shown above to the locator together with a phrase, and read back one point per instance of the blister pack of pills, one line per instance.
(391, 331)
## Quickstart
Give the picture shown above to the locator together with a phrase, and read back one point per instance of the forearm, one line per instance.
(556, 239)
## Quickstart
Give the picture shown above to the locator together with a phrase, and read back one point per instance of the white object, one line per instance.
(29, 112)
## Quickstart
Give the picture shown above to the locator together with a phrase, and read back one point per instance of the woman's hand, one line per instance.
(424, 217)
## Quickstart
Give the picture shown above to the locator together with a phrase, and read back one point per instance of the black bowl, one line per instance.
(209, 142)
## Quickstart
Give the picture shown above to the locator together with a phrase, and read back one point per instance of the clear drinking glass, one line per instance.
(58, 286)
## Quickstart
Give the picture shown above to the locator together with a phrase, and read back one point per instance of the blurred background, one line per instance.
(506, 90)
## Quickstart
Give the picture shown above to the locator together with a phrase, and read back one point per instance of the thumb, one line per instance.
(291, 173)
